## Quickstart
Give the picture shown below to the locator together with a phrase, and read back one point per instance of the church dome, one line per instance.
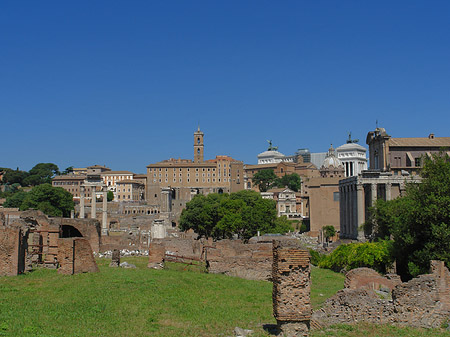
(331, 161)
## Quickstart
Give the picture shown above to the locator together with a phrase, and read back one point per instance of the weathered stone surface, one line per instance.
(251, 261)
(127, 265)
(291, 288)
(13, 245)
(156, 252)
(75, 256)
(369, 278)
(115, 259)
(422, 302)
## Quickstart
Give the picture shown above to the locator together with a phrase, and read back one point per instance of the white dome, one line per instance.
(331, 160)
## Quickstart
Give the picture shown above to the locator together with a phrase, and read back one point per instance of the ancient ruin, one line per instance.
(75, 256)
(421, 302)
(31, 238)
(291, 288)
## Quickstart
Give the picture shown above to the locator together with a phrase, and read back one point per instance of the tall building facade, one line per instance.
(173, 182)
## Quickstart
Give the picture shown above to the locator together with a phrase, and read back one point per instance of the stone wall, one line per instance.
(75, 256)
(422, 302)
(291, 288)
(13, 241)
(366, 277)
(90, 229)
(251, 261)
(156, 253)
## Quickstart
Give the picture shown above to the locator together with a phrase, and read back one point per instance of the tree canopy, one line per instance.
(419, 223)
(41, 173)
(267, 179)
(221, 215)
(264, 179)
(53, 201)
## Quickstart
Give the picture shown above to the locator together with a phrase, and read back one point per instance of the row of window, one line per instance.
(196, 180)
(57, 183)
(188, 169)
(188, 175)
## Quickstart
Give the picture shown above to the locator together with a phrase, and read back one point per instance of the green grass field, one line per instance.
(178, 301)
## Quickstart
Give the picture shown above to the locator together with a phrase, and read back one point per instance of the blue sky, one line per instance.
(125, 83)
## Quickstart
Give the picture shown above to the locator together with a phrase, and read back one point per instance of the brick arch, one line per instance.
(90, 229)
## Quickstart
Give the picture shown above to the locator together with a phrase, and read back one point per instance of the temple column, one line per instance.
(360, 210)
(360, 205)
(388, 191)
(341, 211)
(373, 187)
(82, 189)
(93, 203)
(104, 211)
(348, 217)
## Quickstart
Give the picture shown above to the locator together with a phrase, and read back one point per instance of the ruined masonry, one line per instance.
(291, 288)
(421, 302)
(75, 256)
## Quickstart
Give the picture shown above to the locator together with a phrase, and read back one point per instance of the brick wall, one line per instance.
(366, 277)
(75, 256)
(291, 288)
(422, 302)
(12, 250)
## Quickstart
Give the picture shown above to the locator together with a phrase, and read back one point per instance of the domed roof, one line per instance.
(351, 146)
(331, 160)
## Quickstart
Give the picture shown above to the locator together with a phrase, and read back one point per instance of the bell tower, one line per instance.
(198, 146)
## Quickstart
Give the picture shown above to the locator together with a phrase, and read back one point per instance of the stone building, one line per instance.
(130, 190)
(171, 183)
(394, 162)
(395, 155)
(111, 178)
(353, 157)
(289, 202)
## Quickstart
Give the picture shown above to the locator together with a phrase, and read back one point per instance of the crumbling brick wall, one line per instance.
(291, 288)
(90, 229)
(13, 244)
(156, 254)
(251, 261)
(367, 277)
(75, 256)
(422, 302)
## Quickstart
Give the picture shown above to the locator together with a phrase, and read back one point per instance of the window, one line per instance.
(417, 162)
(335, 196)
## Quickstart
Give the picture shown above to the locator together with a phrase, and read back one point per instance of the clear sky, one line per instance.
(126, 83)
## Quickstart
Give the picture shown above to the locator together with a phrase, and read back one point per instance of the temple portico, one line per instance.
(358, 193)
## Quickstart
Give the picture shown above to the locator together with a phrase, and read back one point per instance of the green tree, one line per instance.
(53, 201)
(67, 170)
(15, 176)
(264, 179)
(292, 181)
(419, 223)
(221, 215)
(15, 200)
(328, 232)
(41, 173)
(110, 196)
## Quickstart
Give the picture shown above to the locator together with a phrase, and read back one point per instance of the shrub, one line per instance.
(376, 255)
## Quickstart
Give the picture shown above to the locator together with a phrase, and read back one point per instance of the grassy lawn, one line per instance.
(178, 301)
